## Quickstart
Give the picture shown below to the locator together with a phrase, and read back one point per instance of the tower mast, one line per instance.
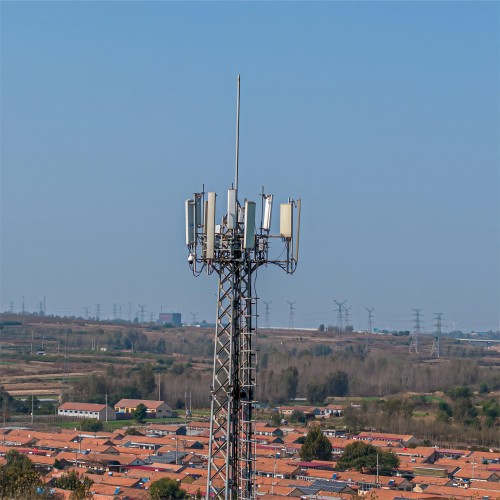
(234, 250)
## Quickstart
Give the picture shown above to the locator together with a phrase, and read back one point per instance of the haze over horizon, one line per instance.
(383, 117)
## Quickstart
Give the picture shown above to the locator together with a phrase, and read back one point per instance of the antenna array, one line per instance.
(234, 249)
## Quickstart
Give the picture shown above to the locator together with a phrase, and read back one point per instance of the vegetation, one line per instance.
(166, 489)
(91, 425)
(362, 457)
(18, 477)
(140, 413)
(80, 485)
(316, 446)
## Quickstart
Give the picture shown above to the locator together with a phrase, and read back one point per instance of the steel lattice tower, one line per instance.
(234, 250)
(267, 321)
(346, 315)
(291, 314)
(340, 320)
(370, 318)
(416, 331)
(435, 349)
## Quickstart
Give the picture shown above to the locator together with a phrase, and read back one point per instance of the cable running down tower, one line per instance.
(234, 249)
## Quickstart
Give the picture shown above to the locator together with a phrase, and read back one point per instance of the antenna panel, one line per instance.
(299, 205)
(190, 227)
(210, 226)
(249, 236)
(286, 220)
(198, 221)
(268, 208)
(232, 213)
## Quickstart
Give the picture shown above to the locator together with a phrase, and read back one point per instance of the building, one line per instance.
(170, 319)
(86, 410)
(154, 409)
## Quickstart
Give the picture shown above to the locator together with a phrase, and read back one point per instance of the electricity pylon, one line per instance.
(435, 349)
(416, 331)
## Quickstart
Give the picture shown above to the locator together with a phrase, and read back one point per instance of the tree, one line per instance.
(18, 477)
(297, 416)
(316, 392)
(146, 380)
(140, 413)
(161, 346)
(79, 485)
(133, 431)
(290, 377)
(362, 457)
(338, 383)
(91, 425)
(316, 446)
(166, 489)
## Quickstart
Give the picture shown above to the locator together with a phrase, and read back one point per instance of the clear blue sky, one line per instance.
(383, 117)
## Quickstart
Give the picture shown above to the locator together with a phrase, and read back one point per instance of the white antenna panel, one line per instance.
(197, 211)
(190, 228)
(231, 209)
(210, 226)
(249, 236)
(268, 208)
(286, 220)
(299, 205)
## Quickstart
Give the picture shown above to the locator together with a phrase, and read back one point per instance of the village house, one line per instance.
(86, 410)
(154, 409)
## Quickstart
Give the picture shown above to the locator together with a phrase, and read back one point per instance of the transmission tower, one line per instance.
(115, 311)
(416, 331)
(40, 308)
(370, 318)
(234, 250)
(195, 316)
(130, 312)
(340, 317)
(142, 308)
(292, 313)
(22, 305)
(435, 349)
(346, 315)
(11, 306)
(98, 312)
(267, 322)
(86, 309)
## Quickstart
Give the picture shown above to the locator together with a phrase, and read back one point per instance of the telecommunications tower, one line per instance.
(234, 248)
(435, 349)
(416, 331)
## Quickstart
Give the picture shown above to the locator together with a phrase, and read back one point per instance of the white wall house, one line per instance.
(86, 410)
